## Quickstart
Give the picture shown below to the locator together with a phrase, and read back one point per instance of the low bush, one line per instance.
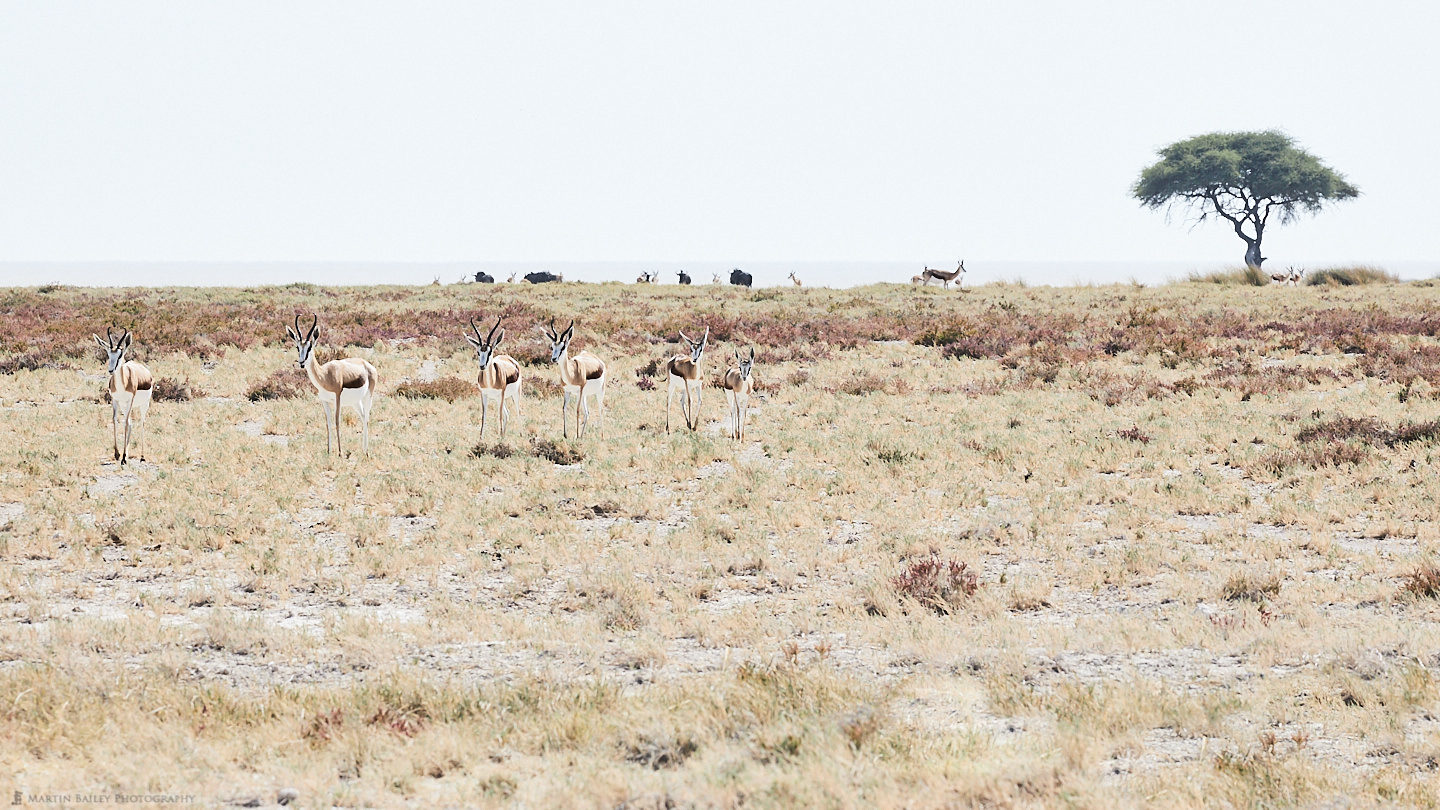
(560, 452)
(1252, 276)
(285, 384)
(941, 585)
(1350, 276)
(446, 388)
(169, 389)
(1423, 582)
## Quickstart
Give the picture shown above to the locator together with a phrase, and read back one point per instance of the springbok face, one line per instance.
(559, 341)
(746, 363)
(697, 347)
(961, 268)
(114, 348)
(485, 347)
(304, 341)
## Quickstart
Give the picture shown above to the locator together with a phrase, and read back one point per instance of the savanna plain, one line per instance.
(1117, 546)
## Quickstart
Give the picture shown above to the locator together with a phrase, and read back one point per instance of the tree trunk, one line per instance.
(1252, 255)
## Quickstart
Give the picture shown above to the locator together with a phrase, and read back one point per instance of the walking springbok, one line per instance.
(945, 277)
(684, 372)
(738, 386)
(499, 376)
(644, 278)
(794, 279)
(347, 383)
(130, 386)
(1291, 276)
(582, 375)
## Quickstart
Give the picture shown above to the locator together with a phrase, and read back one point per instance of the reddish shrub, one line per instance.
(938, 584)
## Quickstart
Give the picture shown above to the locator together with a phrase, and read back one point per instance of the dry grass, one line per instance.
(1025, 547)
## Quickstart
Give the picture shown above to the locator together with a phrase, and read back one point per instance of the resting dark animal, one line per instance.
(741, 279)
(484, 278)
(542, 277)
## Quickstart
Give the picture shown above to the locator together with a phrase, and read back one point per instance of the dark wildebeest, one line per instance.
(542, 277)
(684, 279)
(484, 278)
(740, 278)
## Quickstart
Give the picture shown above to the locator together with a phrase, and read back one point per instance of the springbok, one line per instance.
(511, 280)
(914, 280)
(945, 277)
(499, 376)
(738, 385)
(684, 371)
(582, 375)
(644, 278)
(1295, 276)
(347, 383)
(715, 279)
(1281, 278)
(794, 279)
(130, 386)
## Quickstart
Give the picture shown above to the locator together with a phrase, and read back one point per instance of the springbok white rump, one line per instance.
(499, 375)
(738, 387)
(348, 383)
(683, 373)
(130, 387)
(582, 376)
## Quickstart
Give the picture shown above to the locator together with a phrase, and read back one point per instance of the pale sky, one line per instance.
(608, 131)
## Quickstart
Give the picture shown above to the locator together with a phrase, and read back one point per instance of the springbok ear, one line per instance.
(752, 354)
(314, 333)
(471, 340)
(124, 342)
(102, 343)
(499, 337)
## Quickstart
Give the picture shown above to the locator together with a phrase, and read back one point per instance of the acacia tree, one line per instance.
(1244, 178)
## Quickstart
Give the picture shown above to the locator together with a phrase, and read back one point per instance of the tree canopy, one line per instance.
(1244, 178)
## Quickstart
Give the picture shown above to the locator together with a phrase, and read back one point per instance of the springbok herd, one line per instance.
(351, 383)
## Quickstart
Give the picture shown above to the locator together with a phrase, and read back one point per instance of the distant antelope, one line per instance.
(1295, 276)
(916, 279)
(684, 372)
(582, 375)
(794, 279)
(715, 279)
(511, 280)
(130, 387)
(644, 278)
(1281, 278)
(943, 276)
(738, 385)
(499, 376)
(348, 383)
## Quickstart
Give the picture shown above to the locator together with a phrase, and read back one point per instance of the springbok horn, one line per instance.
(298, 336)
(571, 328)
(109, 339)
(314, 322)
(475, 329)
(491, 336)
